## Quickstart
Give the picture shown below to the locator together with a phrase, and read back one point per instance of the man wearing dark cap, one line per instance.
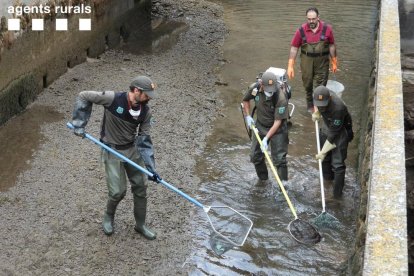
(272, 113)
(126, 128)
(336, 132)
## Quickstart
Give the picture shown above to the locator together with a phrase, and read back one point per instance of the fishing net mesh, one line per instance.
(326, 220)
(304, 232)
(229, 224)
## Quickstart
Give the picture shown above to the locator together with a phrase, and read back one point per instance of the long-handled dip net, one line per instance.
(227, 223)
(302, 231)
(324, 219)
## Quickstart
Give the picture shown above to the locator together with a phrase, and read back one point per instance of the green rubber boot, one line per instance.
(108, 219)
(140, 212)
(283, 173)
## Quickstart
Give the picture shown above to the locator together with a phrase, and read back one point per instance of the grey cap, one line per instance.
(145, 84)
(269, 81)
(321, 96)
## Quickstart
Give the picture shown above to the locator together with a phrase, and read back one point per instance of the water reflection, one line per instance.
(161, 36)
(258, 40)
(20, 138)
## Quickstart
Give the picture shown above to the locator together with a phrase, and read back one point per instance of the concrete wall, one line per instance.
(31, 60)
(381, 247)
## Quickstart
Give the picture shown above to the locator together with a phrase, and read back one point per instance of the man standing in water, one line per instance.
(317, 45)
(336, 132)
(271, 101)
(124, 114)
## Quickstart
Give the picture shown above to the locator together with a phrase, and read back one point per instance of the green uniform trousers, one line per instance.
(278, 149)
(117, 172)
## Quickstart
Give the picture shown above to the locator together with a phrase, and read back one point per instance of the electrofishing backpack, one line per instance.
(281, 79)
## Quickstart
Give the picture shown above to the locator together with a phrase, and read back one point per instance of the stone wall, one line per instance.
(381, 244)
(31, 60)
(385, 248)
(364, 169)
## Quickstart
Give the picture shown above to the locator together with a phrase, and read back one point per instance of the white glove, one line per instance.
(327, 147)
(316, 116)
(264, 146)
(249, 121)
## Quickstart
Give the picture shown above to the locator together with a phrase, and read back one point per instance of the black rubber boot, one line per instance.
(108, 219)
(261, 171)
(140, 212)
(283, 173)
(339, 182)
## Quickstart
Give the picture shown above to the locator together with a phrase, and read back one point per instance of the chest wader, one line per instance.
(278, 148)
(314, 63)
(333, 166)
(118, 172)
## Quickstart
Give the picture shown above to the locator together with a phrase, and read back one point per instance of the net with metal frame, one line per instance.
(225, 221)
(324, 219)
(229, 224)
(300, 230)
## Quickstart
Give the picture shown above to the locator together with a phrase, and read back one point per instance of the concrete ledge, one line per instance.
(386, 239)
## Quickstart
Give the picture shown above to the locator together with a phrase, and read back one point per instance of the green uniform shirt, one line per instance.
(117, 128)
(268, 109)
(335, 118)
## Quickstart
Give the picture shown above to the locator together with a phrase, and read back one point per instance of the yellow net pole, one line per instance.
(269, 160)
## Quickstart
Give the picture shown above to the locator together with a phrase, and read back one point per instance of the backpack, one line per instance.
(282, 80)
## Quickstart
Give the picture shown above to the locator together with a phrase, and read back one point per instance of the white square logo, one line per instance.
(61, 24)
(84, 24)
(37, 24)
(13, 24)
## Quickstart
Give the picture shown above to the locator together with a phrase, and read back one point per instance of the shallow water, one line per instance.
(20, 138)
(259, 37)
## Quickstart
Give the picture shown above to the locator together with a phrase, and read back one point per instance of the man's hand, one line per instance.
(249, 121)
(320, 156)
(155, 177)
(327, 147)
(264, 146)
(79, 131)
(290, 70)
(316, 116)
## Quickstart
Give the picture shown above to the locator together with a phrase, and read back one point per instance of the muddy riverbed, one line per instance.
(51, 217)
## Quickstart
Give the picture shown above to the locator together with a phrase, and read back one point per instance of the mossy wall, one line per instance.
(31, 60)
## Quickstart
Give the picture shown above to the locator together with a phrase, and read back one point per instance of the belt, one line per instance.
(314, 54)
(119, 147)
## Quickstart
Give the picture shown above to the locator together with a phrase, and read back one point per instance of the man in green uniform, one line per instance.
(126, 128)
(336, 132)
(316, 42)
(272, 114)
